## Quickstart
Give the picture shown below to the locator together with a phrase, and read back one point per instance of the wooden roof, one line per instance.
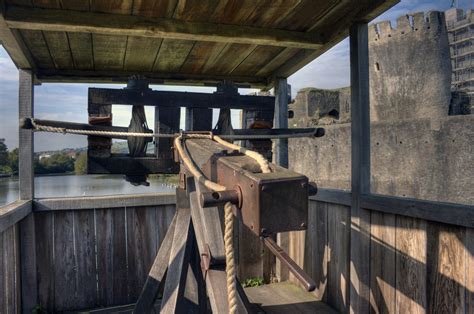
(175, 41)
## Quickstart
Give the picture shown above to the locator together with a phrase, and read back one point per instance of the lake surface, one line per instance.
(86, 185)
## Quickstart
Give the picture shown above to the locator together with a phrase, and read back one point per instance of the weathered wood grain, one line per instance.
(155, 280)
(142, 246)
(12, 213)
(141, 53)
(65, 272)
(81, 50)
(360, 169)
(382, 263)
(317, 247)
(9, 270)
(109, 51)
(85, 258)
(338, 265)
(45, 248)
(15, 45)
(29, 293)
(469, 255)
(451, 213)
(58, 44)
(446, 269)
(111, 257)
(410, 265)
(104, 202)
(178, 264)
(117, 24)
(172, 55)
(38, 48)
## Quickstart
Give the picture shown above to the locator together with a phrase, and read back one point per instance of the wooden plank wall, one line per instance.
(9, 270)
(96, 257)
(416, 266)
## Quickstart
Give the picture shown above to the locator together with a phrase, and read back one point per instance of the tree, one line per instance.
(3, 153)
(80, 166)
(13, 160)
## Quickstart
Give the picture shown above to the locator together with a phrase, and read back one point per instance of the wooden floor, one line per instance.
(285, 297)
(274, 298)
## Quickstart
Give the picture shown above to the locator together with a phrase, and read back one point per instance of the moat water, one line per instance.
(84, 185)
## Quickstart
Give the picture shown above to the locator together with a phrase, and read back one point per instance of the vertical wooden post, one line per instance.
(280, 157)
(360, 182)
(166, 121)
(198, 119)
(280, 151)
(29, 291)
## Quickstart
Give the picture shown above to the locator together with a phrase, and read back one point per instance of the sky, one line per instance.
(68, 102)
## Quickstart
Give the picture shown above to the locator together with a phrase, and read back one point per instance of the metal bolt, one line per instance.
(303, 225)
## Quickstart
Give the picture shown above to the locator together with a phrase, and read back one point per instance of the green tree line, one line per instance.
(56, 163)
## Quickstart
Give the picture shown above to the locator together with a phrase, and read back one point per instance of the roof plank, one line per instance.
(39, 49)
(172, 55)
(141, 53)
(58, 44)
(109, 51)
(127, 25)
(81, 49)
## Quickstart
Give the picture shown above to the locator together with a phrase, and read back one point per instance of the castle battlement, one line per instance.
(456, 17)
(432, 21)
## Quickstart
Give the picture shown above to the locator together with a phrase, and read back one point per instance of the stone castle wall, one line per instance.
(410, 68)
(417, 149)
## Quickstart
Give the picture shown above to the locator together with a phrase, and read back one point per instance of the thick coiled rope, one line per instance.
(45, 128)
(137, 146)
(228, 207)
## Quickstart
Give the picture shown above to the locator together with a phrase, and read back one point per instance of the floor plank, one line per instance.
(285, 297)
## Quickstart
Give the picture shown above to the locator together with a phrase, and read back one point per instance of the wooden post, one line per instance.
(360, 139)
(280, 151)
(280, 157)
(29, 291)
(198, 119)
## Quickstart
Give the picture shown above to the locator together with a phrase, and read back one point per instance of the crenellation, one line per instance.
(432, 21)
(403, 24)
(419, 21)
(435, 20)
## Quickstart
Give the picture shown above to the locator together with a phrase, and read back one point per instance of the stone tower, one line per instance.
(410, 68)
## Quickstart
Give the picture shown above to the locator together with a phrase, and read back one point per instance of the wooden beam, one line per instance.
(127, 25)
(29, 288)
(119, 77)
(103, 96)
(449, 213)
(107, 202)
(360, 169)
(14, 212)
(333, 196)
(280, 157)
(155, 280)
(280, 151)
(14, 45)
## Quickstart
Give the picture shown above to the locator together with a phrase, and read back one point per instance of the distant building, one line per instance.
(460, 26)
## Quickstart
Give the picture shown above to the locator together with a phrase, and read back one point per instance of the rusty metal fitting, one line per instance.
(210, 199)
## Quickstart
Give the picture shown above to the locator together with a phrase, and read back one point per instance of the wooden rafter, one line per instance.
(14, 44)
(126, 25)
(118, 76)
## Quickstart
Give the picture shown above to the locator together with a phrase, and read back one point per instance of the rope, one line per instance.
(228, 213)
(52, 129)
(188, 162)
(137, 145)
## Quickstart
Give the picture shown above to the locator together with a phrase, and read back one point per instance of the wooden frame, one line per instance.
(127, 25)
(29, 291)
(12, 213)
